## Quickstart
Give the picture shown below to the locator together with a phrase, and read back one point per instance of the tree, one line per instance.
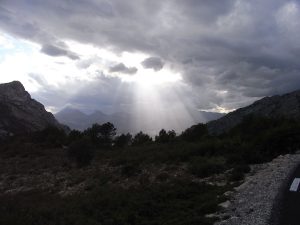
(164, 136)
(195, 132)
(141, 138)
(74, 135)
(51, 136)
(123, 140)
(101, 134)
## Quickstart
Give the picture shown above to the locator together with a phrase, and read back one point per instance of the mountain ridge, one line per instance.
(285, 105)
(124, 121)
(19, 113)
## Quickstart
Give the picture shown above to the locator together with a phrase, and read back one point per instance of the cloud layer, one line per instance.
(228, 52)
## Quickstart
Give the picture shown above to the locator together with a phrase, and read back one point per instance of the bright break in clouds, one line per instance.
(163, 59)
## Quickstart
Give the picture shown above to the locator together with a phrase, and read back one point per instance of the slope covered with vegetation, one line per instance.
(98, 177)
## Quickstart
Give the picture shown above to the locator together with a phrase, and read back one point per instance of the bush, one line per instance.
(204, 167)
(74, 135)
(82, 151)
(141, 138)
(165, 137)
(130, 170)
(50, 136)
(123, 140)
(195, 133)
(101, 134)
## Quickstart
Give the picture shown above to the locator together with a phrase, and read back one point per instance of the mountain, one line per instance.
(130, 122)
(287, 106)
(19, 113)
(78, 120)
(73, 118)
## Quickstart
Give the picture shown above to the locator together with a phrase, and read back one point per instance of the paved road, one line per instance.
(290, 208)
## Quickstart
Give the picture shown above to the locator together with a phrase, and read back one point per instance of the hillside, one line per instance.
(19, 113)
(286, 106)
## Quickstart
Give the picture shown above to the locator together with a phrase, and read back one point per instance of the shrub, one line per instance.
(101, 134)
(82, 151)
(165, 137)
(74, 135)
(130, 170)
(141, 138)
(195, 133)
(50, 136)
(123, 140)
(204, 167)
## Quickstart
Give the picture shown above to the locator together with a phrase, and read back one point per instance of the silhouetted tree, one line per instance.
(101, 134)
(195, 132)
(74, 135)
(51, 136)
(123, 140)
(164, 136)
(141, 138)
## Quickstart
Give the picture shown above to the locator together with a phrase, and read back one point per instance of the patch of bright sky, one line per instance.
(104, 59)
(217, 109)
(19, 59)
(24, 58)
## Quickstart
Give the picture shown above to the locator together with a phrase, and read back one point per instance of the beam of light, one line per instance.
(159, 107)
(155, 97)
(146, 77)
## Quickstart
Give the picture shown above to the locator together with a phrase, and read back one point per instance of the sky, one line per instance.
(156, 58)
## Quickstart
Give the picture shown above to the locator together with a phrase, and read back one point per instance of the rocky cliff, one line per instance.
(19, 113)
(287, 105)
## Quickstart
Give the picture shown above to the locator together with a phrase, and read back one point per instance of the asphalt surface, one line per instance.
(290, 201)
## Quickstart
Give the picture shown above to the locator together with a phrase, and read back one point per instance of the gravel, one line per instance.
(253, 202)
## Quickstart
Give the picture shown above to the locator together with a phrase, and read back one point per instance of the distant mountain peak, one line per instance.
(70, 109)
(98, 112)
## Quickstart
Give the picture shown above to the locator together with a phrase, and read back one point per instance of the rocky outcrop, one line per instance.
(19, 113)
(287, 106)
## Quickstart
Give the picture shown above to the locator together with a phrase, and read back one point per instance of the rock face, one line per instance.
(287, 105)
(19, 113)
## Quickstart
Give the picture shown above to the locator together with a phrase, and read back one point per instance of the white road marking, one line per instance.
(295, 184)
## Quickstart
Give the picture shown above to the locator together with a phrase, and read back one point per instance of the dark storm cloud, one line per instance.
(52, 50)
(121, 68)
(241, 49)
(154, 63)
